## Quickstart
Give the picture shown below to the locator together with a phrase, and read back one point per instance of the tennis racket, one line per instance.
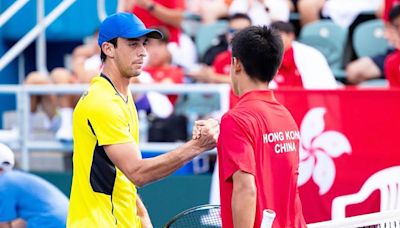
(199, 216)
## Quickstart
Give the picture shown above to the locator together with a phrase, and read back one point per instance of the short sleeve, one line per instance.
(8, 209)
(110, 125)
(235, 150)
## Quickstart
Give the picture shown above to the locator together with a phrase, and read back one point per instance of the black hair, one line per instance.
(165, 32)
(281, 26)
(394, 13)
(260, 50)
(103, 56)
(239, 16)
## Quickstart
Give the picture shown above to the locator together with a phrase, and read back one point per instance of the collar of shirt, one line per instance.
(264, 95)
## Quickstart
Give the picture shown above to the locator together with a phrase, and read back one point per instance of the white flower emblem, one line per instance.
(317, 149)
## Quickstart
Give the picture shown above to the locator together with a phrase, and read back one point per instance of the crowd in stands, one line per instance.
(175, 59)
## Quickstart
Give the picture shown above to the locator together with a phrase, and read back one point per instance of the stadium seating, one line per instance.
(329, 39)
(191, 23)
(374, 83)
(368, 39)
(207, 34)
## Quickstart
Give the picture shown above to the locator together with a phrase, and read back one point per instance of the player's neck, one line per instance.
(120, 83)
(247, 85)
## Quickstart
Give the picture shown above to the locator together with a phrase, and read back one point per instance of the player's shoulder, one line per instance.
(237, 115)
(100, 91)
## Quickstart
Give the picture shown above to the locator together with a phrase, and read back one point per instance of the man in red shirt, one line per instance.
(288, 75)
(387, 6)
(312, 72)
(392, 62)
(258, 147)
(157, 13)
(372, 67)
(159, 63)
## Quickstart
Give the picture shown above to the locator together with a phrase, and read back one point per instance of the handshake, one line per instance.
(205, 133)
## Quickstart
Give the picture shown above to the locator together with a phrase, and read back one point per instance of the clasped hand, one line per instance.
(207, 132)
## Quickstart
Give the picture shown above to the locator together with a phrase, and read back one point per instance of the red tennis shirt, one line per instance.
(260, 137)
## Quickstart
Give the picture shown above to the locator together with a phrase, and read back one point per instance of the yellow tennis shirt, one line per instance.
(101, 195)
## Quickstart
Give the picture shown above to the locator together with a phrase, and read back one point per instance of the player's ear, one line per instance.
(237, 65)
(108, 49)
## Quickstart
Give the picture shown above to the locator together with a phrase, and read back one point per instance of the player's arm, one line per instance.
(244, 196)
(169, 16)
(143, 214)
(143, 171)
(140, 171)
(125, 5)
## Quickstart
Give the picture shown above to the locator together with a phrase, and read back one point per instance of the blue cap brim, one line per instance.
(151, 33)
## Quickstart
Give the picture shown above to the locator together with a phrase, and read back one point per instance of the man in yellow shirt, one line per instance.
(107, 161)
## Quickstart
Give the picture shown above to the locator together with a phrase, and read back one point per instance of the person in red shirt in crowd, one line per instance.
(312, 72)
(258, 146)
(392, 62)
(288, 75)
(219, 72)
(85, 64)
(387, 6)
(372, 67)
(157, 13)
(168, 14)
(159, 63)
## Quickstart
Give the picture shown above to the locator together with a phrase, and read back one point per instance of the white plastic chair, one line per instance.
(387, 181)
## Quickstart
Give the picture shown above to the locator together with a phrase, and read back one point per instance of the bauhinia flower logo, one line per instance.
(317, 150)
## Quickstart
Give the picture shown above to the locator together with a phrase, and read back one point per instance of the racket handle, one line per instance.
(268, 218)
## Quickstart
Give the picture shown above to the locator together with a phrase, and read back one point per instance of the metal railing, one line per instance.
(10, 11)
(35, 32)
(23, 93)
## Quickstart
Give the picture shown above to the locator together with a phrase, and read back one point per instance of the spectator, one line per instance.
(27, 200)
(255, 9)
(342, 12)
(158, 69)
(152, 102)
(309, 10)
(169, 14)
(209, 10)
(55, 108)
(159, 63)
(392, 62)
(312, 72)
(85, 64)
(262, 12)
(387, 6)
(219, 72)
(157, 13)
(366, 68)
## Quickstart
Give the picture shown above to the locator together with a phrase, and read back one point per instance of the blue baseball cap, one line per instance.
(124, 25)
